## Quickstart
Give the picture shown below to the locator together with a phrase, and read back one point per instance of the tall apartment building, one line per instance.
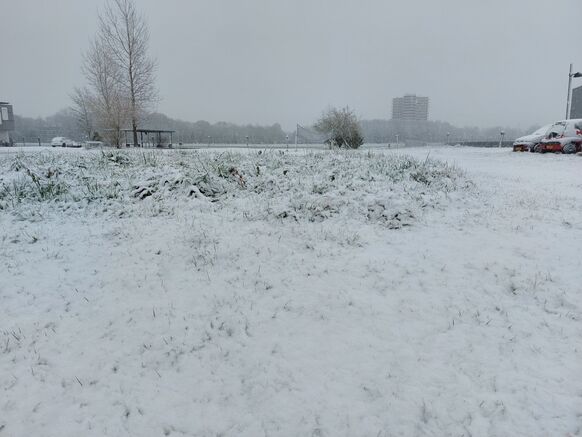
(576, 108)
(410, 107)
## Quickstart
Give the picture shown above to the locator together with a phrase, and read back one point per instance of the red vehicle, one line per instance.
(562, 137)
(528, 142)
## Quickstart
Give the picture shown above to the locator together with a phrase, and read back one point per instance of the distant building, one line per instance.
(410, 107)
(6, 122)
(576, 108)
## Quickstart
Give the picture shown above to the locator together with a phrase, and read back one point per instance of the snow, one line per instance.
(533, 137)
(434, 291)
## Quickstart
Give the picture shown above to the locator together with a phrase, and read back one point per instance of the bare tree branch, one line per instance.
(109, 102)
(83, 110)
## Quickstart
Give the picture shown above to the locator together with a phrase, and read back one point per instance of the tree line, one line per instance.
(65, 123)
(386, 131)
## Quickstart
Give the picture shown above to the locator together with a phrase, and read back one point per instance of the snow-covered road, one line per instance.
(214, 321)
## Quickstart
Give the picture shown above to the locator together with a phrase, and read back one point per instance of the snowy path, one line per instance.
(467, 323)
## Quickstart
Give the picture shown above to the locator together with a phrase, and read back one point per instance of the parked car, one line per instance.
(562, 137)
(64, 142)
(528, 142)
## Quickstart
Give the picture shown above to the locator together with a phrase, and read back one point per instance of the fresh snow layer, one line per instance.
(157, 293)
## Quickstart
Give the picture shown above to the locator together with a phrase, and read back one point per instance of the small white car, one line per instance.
(528, 142)
(63, 142)
(562, 137)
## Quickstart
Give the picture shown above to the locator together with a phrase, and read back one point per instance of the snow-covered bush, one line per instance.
(391, 190)
(341, 127)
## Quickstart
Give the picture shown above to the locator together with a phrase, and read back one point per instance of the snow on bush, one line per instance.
(390, 190)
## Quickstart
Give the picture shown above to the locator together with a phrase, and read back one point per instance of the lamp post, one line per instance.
(397, 141)
(570, 76)
(501, 134)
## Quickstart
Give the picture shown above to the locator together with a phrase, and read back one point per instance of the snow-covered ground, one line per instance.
(250, 293)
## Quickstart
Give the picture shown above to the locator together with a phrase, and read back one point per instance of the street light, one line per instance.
(501, 134)
(570, 76)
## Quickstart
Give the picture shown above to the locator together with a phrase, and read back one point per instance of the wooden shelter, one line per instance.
(151, 137)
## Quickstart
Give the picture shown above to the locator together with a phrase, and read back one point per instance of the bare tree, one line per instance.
(341, 127)
(125, 35)
(109, 103)
(83, 112)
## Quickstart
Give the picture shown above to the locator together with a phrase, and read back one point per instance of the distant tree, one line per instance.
(66, 122)
(341, 127)
(83, 111)
(124, 34)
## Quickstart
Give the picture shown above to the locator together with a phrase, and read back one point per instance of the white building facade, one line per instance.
(6, 123)
(410, 107)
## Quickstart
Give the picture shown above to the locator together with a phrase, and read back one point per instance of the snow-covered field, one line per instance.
(276, 293)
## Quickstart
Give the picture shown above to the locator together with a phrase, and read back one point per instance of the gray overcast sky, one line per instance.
(481, 62)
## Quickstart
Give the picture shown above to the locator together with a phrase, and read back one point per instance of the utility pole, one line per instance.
(568, 95)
